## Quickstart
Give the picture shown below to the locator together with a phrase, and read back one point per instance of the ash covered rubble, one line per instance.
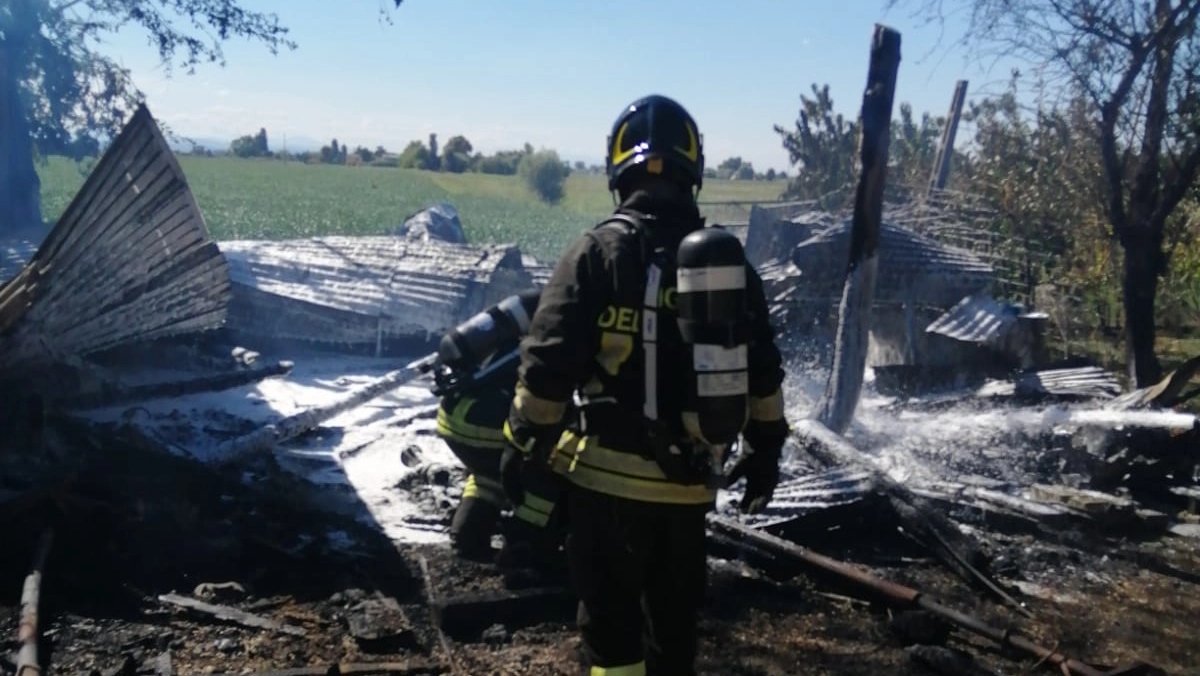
(944, 352)
(232, 436)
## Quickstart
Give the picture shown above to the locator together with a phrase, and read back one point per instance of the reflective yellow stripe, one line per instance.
(534, 517)
(534, 509)
(484, 489)
(768, 408)
(537, 410)
(453, 425)
(637, 669)
(587, 464)
(538, 503)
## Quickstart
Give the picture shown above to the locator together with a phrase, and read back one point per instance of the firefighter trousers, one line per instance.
(640, 571)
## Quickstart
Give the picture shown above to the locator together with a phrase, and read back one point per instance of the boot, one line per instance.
(530, 548)
(471, 530)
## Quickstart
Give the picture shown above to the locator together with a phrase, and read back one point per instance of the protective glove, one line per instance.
(529, 447)
(759, 463)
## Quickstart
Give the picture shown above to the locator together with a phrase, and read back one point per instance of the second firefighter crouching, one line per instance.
(475, 383)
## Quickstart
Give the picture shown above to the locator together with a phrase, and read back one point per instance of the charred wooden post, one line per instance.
(27, 631)
(130, 260)
(945, 152)
(836, 407)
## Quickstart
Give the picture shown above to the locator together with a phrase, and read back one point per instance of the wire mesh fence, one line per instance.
(1023, 271)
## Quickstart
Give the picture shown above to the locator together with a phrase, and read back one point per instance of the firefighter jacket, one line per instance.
(586, 336)
(471, 422)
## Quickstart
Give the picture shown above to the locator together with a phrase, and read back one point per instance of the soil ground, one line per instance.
(132, 524)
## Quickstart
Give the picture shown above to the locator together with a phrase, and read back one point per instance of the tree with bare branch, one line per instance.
(1136, 62)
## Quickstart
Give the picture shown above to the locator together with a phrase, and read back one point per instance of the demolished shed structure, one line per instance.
(381, 295)
(130, 261)
(933, 305)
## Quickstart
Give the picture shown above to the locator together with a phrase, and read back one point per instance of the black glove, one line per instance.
(759, 463)
(529, 446)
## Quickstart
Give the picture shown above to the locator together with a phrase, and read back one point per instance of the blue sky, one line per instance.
(551, 72)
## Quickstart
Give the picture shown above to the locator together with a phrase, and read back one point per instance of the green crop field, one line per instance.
(267, 199)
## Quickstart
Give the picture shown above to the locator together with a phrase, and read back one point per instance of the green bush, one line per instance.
(544, 173)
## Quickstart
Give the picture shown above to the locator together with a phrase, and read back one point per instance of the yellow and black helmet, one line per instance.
(656, 135)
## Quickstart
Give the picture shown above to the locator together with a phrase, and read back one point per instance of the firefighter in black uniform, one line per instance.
(474, 380)
(643, 463)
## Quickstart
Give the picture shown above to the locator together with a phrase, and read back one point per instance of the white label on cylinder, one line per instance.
(718, 358)
(722, 384)
(718, 278)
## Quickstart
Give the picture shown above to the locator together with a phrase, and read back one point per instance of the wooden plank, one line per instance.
(465, 616)
(231, 614)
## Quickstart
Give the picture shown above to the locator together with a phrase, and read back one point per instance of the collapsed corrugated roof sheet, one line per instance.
(912, 268)
(1086, 382)
(129, 260)
(353, 290)
(976, 319)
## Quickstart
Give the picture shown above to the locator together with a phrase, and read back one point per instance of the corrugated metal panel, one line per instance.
(1087, 382)
(129, 260)
(352, 289)
(912, 268)
(540, 272)
(976, 319)
(775, 229)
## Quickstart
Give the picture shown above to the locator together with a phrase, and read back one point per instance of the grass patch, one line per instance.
(267, 199)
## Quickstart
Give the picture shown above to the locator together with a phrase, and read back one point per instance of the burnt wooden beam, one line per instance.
(231, 614)
(836, 407)
(465, 616)
(945, 152)
(28, 628)
(431, 600)
(406, 668)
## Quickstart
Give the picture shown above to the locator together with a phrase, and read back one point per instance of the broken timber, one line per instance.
(27, 632)
(436, 615)
(309, 419)
(465, 616)
(356, 668)
(836, 407)
(231, 614)
(902, 597)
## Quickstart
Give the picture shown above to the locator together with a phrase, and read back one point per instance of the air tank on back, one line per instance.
(712, 313)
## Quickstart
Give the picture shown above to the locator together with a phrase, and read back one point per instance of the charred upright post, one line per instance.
(836, 407)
